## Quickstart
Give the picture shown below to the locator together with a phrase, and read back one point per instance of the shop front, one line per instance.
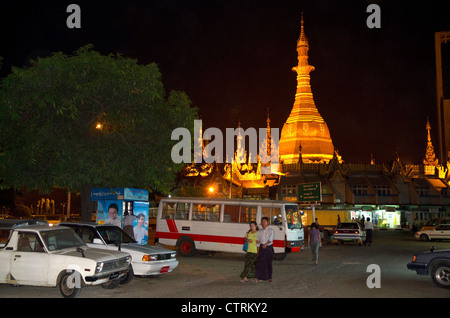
(382, 217)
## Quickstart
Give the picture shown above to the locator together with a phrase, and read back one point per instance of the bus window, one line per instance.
(198, 212)
(231, 213)
(265, 212)
(248, 214)
(273, 214)
(212, 213)
(182, 211)
(293, 218)
(276, 217)
(168, 210)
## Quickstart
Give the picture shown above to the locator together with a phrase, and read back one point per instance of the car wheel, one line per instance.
(113, 283)
(186, 246)
(440, 273)
(128, 277)
(424, 237)
(70, 284)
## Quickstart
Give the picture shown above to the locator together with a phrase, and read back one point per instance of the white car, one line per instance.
(40, 255)
(146, 260)
(349, 232)
(440, 232)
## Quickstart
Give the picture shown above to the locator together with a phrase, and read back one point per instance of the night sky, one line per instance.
(374, 87)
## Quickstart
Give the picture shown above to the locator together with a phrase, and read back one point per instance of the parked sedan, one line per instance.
(349, 232)
(435, 263)
(440, 232)
(146, 260)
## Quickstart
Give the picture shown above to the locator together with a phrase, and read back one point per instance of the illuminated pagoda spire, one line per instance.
(305, 126)
(430, 156)
(269, 134)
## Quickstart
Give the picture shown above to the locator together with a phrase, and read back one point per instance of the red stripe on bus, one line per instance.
(172, 226)
(211, 238)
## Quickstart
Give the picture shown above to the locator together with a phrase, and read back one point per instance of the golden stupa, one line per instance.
(305, 136)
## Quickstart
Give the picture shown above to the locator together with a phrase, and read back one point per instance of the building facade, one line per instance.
(393, 196)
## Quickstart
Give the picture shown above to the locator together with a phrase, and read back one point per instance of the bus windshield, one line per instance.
(293, 219)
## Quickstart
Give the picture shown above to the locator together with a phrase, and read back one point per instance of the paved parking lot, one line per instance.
(342, 272)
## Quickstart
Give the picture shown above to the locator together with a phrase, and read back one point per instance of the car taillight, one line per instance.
(336, 232)
(414, 258)
(356, 232)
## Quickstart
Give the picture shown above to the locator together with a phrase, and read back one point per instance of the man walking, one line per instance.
(368, 226)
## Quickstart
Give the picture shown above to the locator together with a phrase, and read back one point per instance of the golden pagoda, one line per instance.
(305, 136)
(430, 161)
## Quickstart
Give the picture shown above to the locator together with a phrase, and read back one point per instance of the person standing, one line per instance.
(368, 226)
(252, 253)
(128, 219)
(263, 267)
(314, 242)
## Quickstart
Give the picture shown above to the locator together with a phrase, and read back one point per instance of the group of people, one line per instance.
(258, 259)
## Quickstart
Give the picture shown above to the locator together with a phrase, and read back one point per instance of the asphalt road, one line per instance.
(342, 272)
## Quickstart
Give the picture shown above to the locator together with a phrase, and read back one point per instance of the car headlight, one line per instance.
(173, 255)
(98, 268)
(148, 258)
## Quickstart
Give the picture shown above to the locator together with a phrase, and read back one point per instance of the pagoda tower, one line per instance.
(430, 161)
(305, 136)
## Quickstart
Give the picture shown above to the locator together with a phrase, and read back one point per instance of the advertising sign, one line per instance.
(110, 212)
(140, 222)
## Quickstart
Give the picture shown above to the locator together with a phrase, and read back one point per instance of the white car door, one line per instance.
(446, 230)
(29, 261)
(439, 232)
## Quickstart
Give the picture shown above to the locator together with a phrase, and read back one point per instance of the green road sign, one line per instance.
(309, 192)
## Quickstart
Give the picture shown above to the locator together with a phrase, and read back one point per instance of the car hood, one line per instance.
(95, 254)
(437, 252)
(145, 249)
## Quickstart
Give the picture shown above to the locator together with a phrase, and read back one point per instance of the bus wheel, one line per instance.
(186, 246)
(279, 256)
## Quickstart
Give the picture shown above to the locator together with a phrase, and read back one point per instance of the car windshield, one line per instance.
(114, 234)
(293, 219)
(348, 226)
(60, 239)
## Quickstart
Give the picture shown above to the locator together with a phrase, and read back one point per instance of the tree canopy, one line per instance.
(89, 119)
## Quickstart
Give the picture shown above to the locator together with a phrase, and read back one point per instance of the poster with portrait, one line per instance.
(140, 222)
(110, 212)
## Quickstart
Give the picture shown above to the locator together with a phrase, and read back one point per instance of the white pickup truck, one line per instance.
(40, 255)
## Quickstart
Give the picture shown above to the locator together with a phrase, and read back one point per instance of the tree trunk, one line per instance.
(87, 205)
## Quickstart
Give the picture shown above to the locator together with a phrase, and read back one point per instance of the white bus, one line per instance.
(220, 224)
